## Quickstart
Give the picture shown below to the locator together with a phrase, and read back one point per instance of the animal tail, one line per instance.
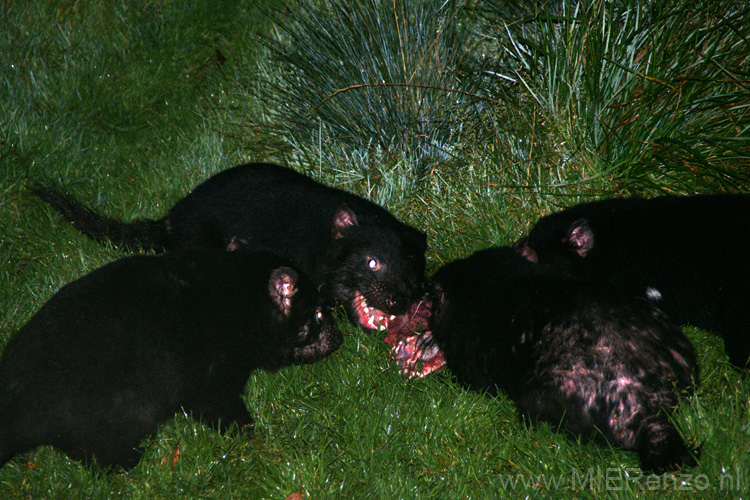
(662, 449)
(146, 234)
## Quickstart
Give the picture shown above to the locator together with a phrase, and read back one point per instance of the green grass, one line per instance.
(371, 82)
(627, 97)
(130, 104)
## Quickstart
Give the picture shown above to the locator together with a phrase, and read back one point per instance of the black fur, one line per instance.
(329, 234)
(610, 366)
(692, 249)
(115, 353)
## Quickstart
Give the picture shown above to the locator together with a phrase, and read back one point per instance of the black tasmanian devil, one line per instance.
(115, 353)
(603, 364)
(692, 249)
(367, 259)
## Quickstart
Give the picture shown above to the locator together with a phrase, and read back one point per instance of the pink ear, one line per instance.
(282, 287)
(530, 254)
(235, 244)
(343, 218)
(580, 236)
(522, 248)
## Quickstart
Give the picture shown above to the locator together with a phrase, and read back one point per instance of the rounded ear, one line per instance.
(438, 291)
(438, 300)
(236, 243)
(282, 287)
(580, 237)
(343, 218)
(522, 248)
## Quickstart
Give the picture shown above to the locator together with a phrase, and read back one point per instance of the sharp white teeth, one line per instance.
(376, 319)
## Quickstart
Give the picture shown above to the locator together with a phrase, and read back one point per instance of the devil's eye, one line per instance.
(373, 264)
(319, 315)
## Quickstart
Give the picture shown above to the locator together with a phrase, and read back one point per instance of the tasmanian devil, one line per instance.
(115, 353)
(602, 364)
(692, 249)
(367, 259)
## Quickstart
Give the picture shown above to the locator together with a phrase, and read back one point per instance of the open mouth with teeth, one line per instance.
(370, 317)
